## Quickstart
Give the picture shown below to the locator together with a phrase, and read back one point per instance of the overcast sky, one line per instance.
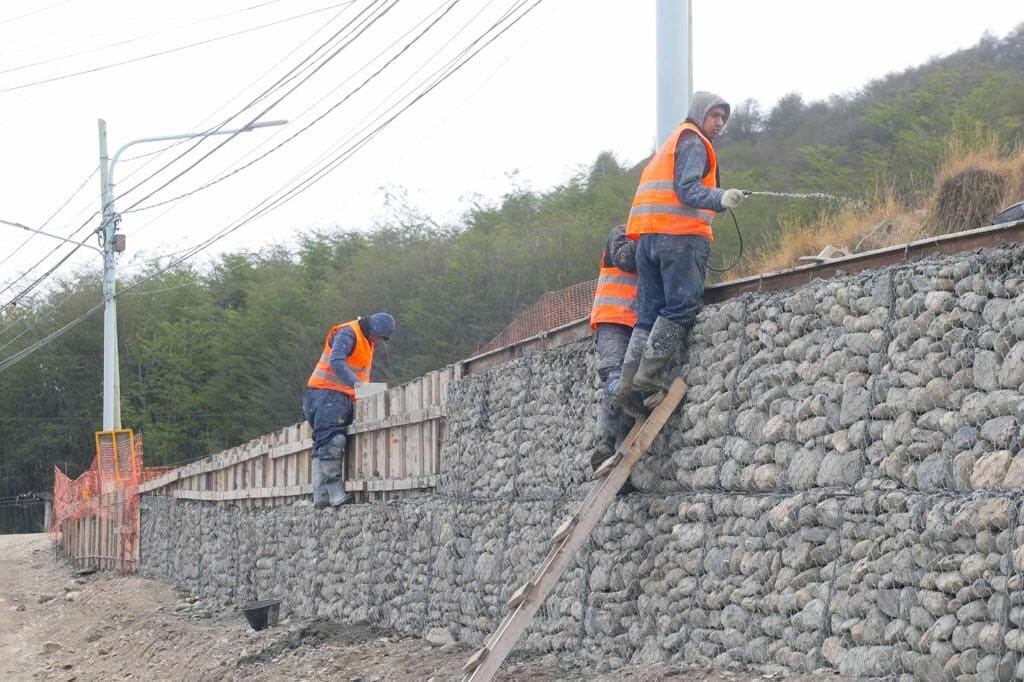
(571, 79)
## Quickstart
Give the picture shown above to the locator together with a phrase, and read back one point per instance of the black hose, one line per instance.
(739, 256)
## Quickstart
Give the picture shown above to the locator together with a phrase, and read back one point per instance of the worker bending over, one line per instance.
(671, 218)
(329, 402)
(612, 318)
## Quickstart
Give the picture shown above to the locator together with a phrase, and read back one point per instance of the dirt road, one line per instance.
(56, 626)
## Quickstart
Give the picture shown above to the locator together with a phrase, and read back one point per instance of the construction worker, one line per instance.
(671, 216)
(329, 402)
(612, 318)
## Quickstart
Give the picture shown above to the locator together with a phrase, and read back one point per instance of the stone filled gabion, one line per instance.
(839, 489)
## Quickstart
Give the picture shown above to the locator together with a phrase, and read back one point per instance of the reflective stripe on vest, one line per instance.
(656, 207)
(614, 298)
(359, 361)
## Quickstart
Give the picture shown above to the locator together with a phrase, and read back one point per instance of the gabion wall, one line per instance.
(839, 489)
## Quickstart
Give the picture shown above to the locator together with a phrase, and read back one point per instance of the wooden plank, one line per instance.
(206, 465)
(269, 492)
(413, 416)
(285, 449)
(392, 484)
(243, 494)
(483, 665)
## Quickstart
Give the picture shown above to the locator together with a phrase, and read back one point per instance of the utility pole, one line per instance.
(108, 228)
(114, 244)
(674, 38)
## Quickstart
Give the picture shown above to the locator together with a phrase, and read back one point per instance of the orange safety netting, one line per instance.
(108, 490)
(553, 310)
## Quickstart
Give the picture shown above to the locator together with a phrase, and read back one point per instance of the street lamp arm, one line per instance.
(55, 236)
(186, 136)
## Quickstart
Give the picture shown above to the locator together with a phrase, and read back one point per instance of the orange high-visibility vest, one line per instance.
(359, 360)
(615, 296)
(656, 207)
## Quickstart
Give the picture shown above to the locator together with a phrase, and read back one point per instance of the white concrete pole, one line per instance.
(674, 35)
(111, 397)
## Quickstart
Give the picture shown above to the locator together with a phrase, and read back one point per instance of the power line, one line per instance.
(279, 83)
(52, 216)
(33, 12)
(350, 151)
(172, 50)
(267, 109)
(270, 204)
(267, 91)
(204, 121)
(39, 280)
(37, 323)
(306, 127)
(121, 43)
(267, 205)
(174, 200)
(28, 350)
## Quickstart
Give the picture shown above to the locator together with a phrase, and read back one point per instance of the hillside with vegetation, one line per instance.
(214, 355)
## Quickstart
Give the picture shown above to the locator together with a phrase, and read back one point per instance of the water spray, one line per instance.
(814, 196)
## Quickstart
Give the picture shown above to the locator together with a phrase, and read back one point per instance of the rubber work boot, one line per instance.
(626, 396)
(606, 429)
(332, 471)
(320, 499)
(663, 344)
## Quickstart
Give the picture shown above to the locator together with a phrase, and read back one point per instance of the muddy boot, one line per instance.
(332, 471)
(623, 428)
(625, 396)
(664, 342)
(320, 499)
(605, 431)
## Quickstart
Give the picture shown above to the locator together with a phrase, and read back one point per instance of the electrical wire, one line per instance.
(266, 110)
(128, 41)
(260, 209)
(33, 12)
(172, 202)
(46, 340)
(172, 50)
(306, 127)
(52, 216)
(267, 91)
(292, 73)
(270, 204)
(39, 280)
(202, 123)
(350, 151)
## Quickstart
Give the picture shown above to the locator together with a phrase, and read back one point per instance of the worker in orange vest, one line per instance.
(329, 402)
(671, 216)
(612, 318)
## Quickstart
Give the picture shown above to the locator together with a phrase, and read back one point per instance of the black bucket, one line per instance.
(263, 613)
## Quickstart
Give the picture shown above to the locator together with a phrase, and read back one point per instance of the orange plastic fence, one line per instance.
(108, 491)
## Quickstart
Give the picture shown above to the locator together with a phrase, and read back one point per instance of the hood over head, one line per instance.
(702, 103)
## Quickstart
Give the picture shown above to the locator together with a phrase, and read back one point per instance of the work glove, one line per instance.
(731, 198)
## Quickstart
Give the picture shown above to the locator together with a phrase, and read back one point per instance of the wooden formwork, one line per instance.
(103, 536)
(394, 450)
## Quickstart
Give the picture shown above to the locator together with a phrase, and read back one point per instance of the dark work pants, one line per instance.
(611, 340)
(671, 270)
(329, 413)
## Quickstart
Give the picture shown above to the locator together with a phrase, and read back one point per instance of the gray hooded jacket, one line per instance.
(692, 159)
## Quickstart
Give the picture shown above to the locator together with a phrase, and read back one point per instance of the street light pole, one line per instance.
(112, 246)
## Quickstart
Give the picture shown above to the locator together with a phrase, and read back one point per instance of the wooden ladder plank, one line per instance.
(485, 662)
